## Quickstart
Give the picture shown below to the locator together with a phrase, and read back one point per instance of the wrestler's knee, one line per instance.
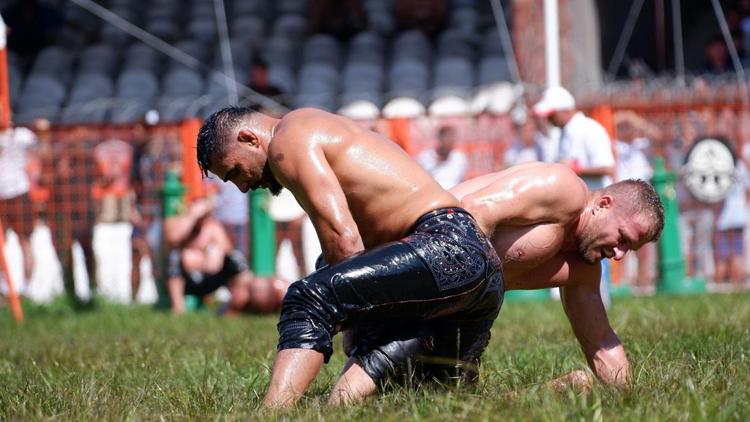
(309, 317)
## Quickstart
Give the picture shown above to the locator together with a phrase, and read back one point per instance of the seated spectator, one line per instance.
(716, 57)
(446, 164)
(342, 19)
(203, 260)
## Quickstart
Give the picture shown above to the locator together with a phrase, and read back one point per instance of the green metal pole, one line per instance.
(172, 193)
(263, 234)
(671, 262)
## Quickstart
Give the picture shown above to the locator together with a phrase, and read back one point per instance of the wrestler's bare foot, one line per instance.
(293, 371)
(353, 385)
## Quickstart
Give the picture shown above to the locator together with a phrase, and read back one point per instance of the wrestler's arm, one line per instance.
(601, 346)
(302, 167)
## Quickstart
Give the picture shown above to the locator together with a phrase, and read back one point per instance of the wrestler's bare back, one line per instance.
(386, 191)
(531, 212)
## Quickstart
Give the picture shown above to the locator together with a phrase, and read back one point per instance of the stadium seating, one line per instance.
(95, 71)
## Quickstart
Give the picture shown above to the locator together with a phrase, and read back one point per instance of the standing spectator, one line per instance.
(33, 25)
(524, 148)
(16, 210)
(69, 171)
(729, 242)
(584, 145)
(153, 155)
(632, 163)
(427, 16)
(445, 163)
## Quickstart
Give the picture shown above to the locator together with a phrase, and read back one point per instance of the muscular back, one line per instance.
(530, 212)
(383, 188)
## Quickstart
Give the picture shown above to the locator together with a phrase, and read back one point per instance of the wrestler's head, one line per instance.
(232, 144)
(623, 217)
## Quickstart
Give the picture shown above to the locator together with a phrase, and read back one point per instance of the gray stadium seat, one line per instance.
(464, 19)
(280, 51)
(182, 82)
(202, 29)
(248, 7)
(408, 77)
(281, 77)
(128, 110)
(493, 69)
(290, 26)
(454, 43)
(89, 86)
(164, 28)
(380, 16)
(55, 62)
(322, 48)
(141, 56)
(292, 6)
(249, 29)
(134, 83)
(453, 76)
(362, 77)
(98, 58)
(412, 44)
(491, 43)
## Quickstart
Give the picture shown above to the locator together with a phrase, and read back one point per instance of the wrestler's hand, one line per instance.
(579, 380)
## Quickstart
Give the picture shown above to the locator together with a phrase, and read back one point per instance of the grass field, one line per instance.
(690, 358)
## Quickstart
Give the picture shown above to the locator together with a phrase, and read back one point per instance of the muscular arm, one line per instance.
(301, 165)
(601, 346)
(524, 195)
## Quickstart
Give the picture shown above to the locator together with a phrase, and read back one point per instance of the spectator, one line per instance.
(152, 157)
(584, 144)
(203, 260)
(445, 163)
(260, 84)
(716, 57)
(729, 242)
(342, 19)
(16, 211)
(524, 148)
(68, 172)
(633, 163)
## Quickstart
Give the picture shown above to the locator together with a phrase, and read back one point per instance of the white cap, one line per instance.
(555, 98)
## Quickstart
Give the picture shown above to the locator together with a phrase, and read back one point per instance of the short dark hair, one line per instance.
(211, 135)
(640, 198)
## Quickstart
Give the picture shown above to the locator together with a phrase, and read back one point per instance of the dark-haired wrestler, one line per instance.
(550, 231)
(398, 244)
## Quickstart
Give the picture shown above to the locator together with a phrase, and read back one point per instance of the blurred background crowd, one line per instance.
(107, 97)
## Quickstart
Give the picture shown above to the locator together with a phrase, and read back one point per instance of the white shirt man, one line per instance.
(584, 143)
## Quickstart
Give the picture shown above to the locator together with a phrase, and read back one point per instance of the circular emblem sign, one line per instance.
(709, 170)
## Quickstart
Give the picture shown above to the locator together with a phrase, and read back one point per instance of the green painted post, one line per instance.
(263, 234)
(671, 262)
(172, 195)
(526, 295)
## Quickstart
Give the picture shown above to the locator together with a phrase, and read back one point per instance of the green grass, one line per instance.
(689, 357)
